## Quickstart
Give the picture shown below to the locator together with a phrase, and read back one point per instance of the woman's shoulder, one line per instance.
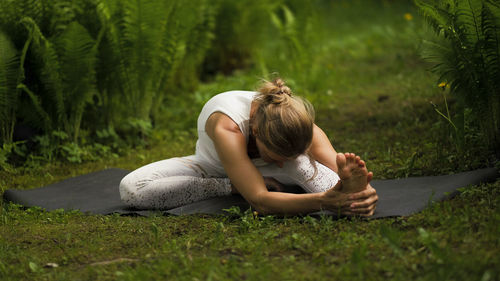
(220, 123)
(234, 94)
(234, 105)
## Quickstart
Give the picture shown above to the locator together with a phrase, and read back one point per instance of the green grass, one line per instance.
(454, 240)
(372, 94)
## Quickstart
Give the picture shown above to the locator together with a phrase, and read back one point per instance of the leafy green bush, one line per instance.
(466, 55)
(96, 65)
(81, 67)
(144, 46)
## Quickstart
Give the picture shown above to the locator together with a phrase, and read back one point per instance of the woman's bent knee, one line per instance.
(128, 191)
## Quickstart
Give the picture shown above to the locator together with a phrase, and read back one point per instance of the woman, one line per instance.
(249, 142)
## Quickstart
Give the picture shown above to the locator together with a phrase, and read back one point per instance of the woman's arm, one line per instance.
(230, 144)
(322, 150)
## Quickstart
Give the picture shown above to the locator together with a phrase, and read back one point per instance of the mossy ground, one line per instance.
(377, 104)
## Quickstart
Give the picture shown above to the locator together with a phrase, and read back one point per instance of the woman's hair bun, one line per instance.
(282, 122)
(275, 91)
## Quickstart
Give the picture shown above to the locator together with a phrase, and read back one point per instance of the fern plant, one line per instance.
(60, 61)
(77, 58)
(466, 55)
(78, 67)
(144, 45)
(48, 100)
(9, 73)
(198, 40)
(125, 70)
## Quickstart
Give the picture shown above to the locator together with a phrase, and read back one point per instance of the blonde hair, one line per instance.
(282, 122)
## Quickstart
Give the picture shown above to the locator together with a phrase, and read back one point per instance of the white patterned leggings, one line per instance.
(179, 181)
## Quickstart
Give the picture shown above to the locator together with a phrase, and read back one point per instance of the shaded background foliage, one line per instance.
(74, 72)
(107, 60)
(82, 79)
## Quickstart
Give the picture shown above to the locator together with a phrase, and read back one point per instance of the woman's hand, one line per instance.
(361, 203)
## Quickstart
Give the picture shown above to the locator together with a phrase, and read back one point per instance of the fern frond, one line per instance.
(37, 106)
(46, 58)
(435, 16)
(9, 72)
(77, 57)
(165, 46)
(139, 29)
(490, 26)
(61, 13)
(201, 34)
(112, 78)
(200, 25)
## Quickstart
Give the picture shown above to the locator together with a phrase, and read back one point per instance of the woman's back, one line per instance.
(236, 105)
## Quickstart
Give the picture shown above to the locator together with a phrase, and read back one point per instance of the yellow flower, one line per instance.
(408, 17)
(442, 85)
(255, 213)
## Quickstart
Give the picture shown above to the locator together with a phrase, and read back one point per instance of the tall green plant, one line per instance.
(198, 40)
(144, 45)
(49, 99)
(9, 73)
(77, 57)
(65, 69)
(466, 55)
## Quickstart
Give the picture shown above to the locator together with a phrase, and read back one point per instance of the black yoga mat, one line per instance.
(97, 193)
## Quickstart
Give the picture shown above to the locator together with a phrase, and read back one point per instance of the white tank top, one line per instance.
(236, 105)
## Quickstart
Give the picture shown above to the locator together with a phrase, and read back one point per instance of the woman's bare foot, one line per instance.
(352, 172)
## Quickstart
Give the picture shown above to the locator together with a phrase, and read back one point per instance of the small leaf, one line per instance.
(33, 266)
